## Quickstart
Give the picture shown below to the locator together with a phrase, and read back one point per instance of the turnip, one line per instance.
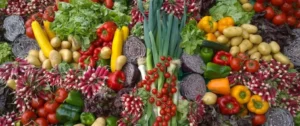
(209, 98)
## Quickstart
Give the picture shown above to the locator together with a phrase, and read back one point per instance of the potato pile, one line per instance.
(64, 51)
(246, 5)
(244, 39)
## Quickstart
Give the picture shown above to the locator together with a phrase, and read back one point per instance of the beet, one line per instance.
(192, 63)
(133, 49)
(14, 26)
(192, 85)
(22, 44)
(132, 74)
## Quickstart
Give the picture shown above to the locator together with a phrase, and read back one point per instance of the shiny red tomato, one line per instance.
(258, 7)
(291, 21)
(298, 25)
(297, 14)
(109, 3)
(286, 7)
(60, 95)
(37, 103)
(51, 106)
(291, 12)
(27, 116)
(252, 65)
(37, 16)
(28, 23)
(258, 120)
(52, 118)
(279, 19)
(236, 64)
(277, 2)
(42, 112)
(269, 13)
(29, 32)
(41, 122)
(289, 1)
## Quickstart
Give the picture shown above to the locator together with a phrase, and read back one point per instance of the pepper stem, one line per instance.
(229, 105)
(257, 104)
(242, 94)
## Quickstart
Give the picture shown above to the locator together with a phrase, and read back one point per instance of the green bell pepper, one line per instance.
(87, 118)
(75, 98)
(111, 121)
(206, 54)
(297, 119)
(68, 113)
(213, 71)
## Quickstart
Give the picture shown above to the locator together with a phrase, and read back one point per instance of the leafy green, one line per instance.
(121, 5)
(3, 3)
(192, 38)
(81, 18)
(182, 109)
(64, 67)
(138, 30)
(6, 53)
(231, 8)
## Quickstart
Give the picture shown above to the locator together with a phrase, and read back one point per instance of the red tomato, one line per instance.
(260, 1)
(28, 23)
(258, 7)
(41, 122)
(37, 16)
(297, 14)
(29, 32)
(291, 21)
(269, 13)
(42, 112)
(242, 56)
(236, 64)
(37, 103)
(277, 2)
(52, 118)
(279, 19)
(289, 1)
(109, 4)
(258, 120)
(290, 12)
(27, 116)
(60, 95)
(286, 7)
(51, 106)
(252, 65)
(298, 25)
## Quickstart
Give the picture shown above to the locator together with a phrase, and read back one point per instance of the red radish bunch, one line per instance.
(8, 119)
(71, 80)
(13, 70)
(177, 7)
(92, 80)
(53, 78)
(136, 15)
(197, 111)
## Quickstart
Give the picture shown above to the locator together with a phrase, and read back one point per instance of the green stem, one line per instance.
(149, 59)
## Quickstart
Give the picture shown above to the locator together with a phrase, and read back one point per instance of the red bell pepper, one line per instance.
(228, 105)
(222, 58)
(116, 80)
(106, 31)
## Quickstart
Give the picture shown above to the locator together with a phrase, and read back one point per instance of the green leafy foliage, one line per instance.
(3, 3)
(183, 109)
(6, 53)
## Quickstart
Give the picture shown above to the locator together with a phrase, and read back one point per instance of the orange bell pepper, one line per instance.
(225, 23)
(211, 37)
(219, 86)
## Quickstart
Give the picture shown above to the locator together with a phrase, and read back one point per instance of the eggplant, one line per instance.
(133, 49)
(192, 85)
(132, 74)
(22, 44)
(192, 63)
(14, 26)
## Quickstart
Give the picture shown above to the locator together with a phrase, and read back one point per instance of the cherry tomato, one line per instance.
(52, 118)
(258, 7)
(269, 13)
(291, 21)
(37, 103)
(236, 64)
(289, 1)
(297, 14)
(41, 122)
(51, 106)
(277, 2)
(298, 4)
(29, 32)
(60, 95)
(109, 4)
(37, 16)
(258, 120)
(252, 65)
(42, 112)
(279, 19)
(28, 23)
(291, 12)
(286, 7)
(27, 116)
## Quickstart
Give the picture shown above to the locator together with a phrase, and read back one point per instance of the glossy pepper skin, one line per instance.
(225, 23)
(75, 98)
(228, 105)
(241, 93)
(222, 58)
(214, 71)
(207, 24)
(206, 54)
(87, 118)
(257, 105)
(106, 31)
(115, 80)
(68, 113)
(111, 121)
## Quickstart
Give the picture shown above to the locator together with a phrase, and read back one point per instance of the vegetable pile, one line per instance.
(149, 63)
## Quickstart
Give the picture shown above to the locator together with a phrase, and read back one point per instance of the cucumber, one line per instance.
(215, 46)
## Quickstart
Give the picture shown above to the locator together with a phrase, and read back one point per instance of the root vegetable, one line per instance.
(292, 65)
(105, 53)
(247, 7)
(33, 60)
(245, 34)
(55, 42)
(255, 56)
(232, 32)
(255, 39)
(243, 47)
(244, 1)
(34, 53)
(281, 58)
(217, 34)
(248, 44)
(66, 45)
(251, 29)
(79, 124)
(222, 39)
(234, 50)
(75, 44)
(235, 41)
(264, 48)
(267, 58)
(100, 121)
(42, 57)
(253, 50)
(209, 98)
(120, 62)
(55, 58)
(11, 83)
(66, 55)
(76, 56)
(47, 64)
(274, 47)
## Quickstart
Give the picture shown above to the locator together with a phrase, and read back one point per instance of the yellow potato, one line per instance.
(55, 58)
(281, 58)
(76, 56)
(34, 53)
(255, 39)
(232, 31)
(247, 7)
(255, 56)
(251, 29)
(267, 58)
(66, 55)
(42, 57)
(274, 47)
(47, 64)
(33, 60)
(235, 41)
(264, 48)
(234, 50)
(66, 45)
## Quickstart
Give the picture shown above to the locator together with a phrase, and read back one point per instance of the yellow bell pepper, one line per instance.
(49, 32)
(257, 105)
(125, 31)
(241, 93)
(41, 38)
(117, 47)
(207, 24)
(225, 23)
(211, 37)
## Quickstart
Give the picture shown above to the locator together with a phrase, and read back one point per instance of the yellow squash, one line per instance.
(41, 38)
(49, 32)
(125, 31)
(117, 46)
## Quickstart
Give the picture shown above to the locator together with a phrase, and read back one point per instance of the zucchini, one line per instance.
(214, 46)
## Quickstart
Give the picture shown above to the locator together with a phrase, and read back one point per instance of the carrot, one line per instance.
(219, 86)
